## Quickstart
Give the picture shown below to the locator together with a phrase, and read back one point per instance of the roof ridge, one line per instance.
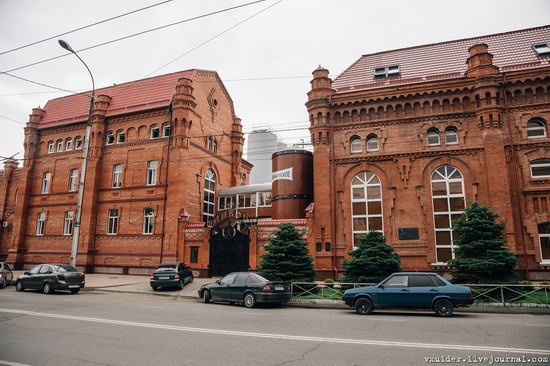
(455, 40)
(129, 82)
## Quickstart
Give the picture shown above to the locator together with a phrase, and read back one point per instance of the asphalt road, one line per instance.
(126, 329)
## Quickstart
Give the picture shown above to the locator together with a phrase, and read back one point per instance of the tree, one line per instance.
(480, 255)
(372, 261)
(287, 256)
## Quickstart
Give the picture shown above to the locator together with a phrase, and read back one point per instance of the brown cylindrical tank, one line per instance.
(292, 187)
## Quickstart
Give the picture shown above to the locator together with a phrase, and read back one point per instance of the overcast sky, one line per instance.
(290, 39)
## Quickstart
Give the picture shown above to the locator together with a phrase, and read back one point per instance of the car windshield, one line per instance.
(64, 269)
(268, 277)
(166, 265)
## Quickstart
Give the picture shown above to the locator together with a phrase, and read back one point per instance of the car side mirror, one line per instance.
(27, 273)
(218, 282)
(381, 285)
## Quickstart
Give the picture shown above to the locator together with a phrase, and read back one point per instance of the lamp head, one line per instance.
(65, 45)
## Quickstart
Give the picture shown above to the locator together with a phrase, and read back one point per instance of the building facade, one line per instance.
(404, 140)
(160, 149)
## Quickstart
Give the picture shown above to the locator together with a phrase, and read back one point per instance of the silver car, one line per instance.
(6, 275)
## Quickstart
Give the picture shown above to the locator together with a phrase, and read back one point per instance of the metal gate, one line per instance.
(228, 254)
(229, 243)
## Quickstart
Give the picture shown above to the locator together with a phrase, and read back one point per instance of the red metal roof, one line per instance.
(445, 60)
(128, 97)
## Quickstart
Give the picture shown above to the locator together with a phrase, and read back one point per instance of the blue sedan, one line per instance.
(418, 290)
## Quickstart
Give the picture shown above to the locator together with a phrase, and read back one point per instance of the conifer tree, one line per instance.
(372, 261)
(480, 256)
(287, 256)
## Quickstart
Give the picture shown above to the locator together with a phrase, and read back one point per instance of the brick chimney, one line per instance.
(480, 62)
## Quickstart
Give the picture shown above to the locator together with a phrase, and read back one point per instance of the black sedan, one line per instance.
(171, 275)
(51, 277)
(246, 288)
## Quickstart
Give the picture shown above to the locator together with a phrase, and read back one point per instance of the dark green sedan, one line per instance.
(171, 275)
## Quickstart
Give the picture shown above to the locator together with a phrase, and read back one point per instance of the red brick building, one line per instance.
(159, 150)
(405, 139)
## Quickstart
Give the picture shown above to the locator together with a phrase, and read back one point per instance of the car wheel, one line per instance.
(443, 308)
(206, 296)
(19, 286)
(75, 290)
(249, 300)
(3, 283)
(181, 284)
(363, 306)
(191, 279)
(47, 289)
(155, 288)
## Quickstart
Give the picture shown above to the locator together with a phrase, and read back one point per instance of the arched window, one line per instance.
(540, 168)
(448, 205)
(536, 129)
(366, 205)
(155, 131)
(110, 138)
(68, 144)
(59, 145)
(372, 142)
(209, 197)
(355, 145)
(433, 137)
(451, 135)
(166, 130)
(120, 137)
(544, 240)
(78, 143)
(51, 147)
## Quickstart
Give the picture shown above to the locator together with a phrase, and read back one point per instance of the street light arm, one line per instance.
(87, 68)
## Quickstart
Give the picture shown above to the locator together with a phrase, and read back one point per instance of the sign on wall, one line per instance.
(285, 174)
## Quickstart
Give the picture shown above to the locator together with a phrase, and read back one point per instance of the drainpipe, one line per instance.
(515, 179)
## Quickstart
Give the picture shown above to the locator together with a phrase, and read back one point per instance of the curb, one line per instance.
(339, 305)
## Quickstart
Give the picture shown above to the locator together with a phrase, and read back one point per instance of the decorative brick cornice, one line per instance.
(132, 117)
(49, 237)
(120, 237)
(58, 154)
(418, 154)
(78, 126)
(160, 140)
(403, 121)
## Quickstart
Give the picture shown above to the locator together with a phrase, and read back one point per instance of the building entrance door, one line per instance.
(229, 244)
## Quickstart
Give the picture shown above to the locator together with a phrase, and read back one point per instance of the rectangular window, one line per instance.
(152, 172)
(265, 199)
(41, 223)
(73, 180)
(194, 257)
(386, 72)
(540, 170)
(112, 226)
(148, 221)
(318, 247)
(117, 176)
(327, 247)
(46, 182)
(68, 225)
(542, 49)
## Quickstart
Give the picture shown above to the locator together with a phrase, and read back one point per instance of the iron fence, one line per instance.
(504, 294)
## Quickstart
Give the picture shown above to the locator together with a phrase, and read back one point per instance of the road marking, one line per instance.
(365, 342)
(538, 325)
(7, 363)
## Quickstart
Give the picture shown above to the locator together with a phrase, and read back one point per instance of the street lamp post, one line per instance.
(76, 229)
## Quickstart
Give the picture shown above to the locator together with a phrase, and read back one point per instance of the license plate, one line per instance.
(164, 278)
(74, 286)
(279, 288)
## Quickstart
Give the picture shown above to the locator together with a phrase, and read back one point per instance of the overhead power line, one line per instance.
(138, 34)
(84, 27)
